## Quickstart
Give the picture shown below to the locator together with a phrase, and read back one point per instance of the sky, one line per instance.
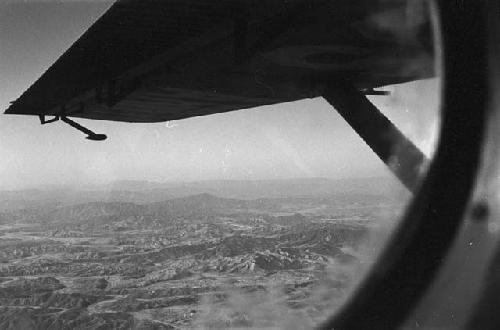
(291, 140)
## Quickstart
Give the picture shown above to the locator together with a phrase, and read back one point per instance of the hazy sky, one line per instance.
(301, 139)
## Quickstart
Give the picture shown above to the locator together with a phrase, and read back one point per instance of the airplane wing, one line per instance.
(152, 61)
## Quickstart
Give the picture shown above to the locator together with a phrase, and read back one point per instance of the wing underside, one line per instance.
(151, 61)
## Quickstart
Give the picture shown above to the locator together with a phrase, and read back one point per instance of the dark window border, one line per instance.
(411, 259)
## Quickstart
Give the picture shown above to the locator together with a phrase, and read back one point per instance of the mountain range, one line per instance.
(146, 192)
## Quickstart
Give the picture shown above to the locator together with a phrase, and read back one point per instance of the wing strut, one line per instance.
(403, 158)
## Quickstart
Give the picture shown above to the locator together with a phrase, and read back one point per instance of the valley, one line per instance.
(197, 261)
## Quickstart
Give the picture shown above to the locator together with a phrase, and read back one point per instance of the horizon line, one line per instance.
(76, 186)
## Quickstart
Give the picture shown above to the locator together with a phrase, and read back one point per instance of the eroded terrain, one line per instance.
(198, 261)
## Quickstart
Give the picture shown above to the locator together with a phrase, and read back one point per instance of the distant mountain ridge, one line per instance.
(263, 188)
(196, 206)
(146, 192)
